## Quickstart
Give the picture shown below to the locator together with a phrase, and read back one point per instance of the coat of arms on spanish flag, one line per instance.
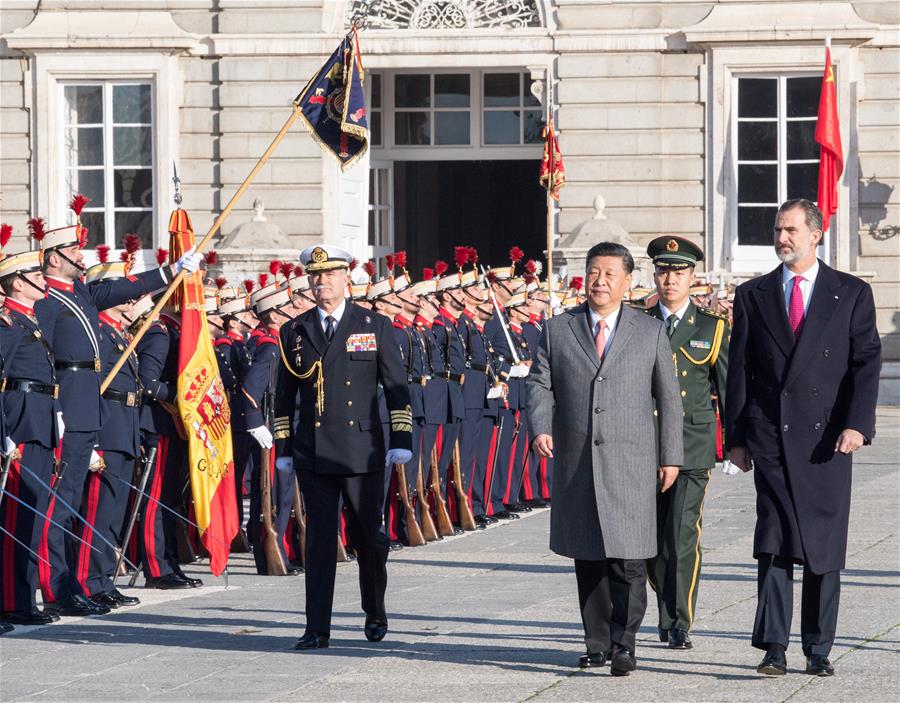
(203, 407)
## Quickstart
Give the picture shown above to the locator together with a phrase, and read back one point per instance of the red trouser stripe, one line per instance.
(87, 533)
(152, 508)
(9, 546)
(489, 473)
(542, 475)
(44, 574)
(510, 464)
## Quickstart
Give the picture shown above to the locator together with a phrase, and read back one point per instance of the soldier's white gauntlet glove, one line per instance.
(9, 446)
(262, 436)
(189, 262)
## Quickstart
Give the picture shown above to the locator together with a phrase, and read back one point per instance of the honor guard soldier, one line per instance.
(69, 318)
(107, 491)
(539, 470)
(518, 310)
(273, 309)
(334, 356)
(699, 340)
(32, 431)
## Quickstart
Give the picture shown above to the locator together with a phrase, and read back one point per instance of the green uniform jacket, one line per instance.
(700, 348)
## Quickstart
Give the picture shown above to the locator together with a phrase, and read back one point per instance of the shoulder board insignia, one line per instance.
(265, 339)
(712, 313)
(5, 318)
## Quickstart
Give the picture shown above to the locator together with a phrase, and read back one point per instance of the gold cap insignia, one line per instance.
(319, 255)
(671, 245)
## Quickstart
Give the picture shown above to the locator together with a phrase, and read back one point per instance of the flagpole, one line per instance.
(173, 286)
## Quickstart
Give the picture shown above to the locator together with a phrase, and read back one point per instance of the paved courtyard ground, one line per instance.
(490, 616)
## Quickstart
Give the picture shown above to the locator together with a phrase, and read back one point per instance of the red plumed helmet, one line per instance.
(36, 228)
(5, 234)
(103, 253)
(577, 283)
(211, 257)
(298, 270)
(491, 276)
(528, 277)
(249, 285)
(287, 268)
(461, 256)
(369, 268)
(473, 256)
(274, 267)
(263, 279)
(440, 267)
(427, 273)
(132, 243)
(516, 255)
(400, 258)
(124, 256)
(353, 264)
(221, 282)
(161, 256)
(78, 203)
(530, 267)
(389, 262)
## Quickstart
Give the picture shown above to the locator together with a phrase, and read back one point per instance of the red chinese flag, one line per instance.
(553, 171)
(828, 136)
(204, 412)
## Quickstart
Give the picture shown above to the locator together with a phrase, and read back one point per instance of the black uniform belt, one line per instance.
(128, 399)
(479, 367)
(17, 384)
(420, 380)
(93, 365)
(458, 377)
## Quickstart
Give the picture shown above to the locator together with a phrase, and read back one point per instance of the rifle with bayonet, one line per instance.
(444, 523)
(147, 461)
(414, 535)
(466, 519)
(274, 559)
(429, 531)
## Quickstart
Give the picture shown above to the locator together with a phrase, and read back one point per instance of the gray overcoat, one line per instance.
(604, 435)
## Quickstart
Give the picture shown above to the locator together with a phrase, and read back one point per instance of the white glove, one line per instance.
(9, 446)
(729, 469)
(284, 463)
(97, 463)
(397, 456)
(189, 262)
(262, 436)
(495, 392)
(519, 371)
(60, 425)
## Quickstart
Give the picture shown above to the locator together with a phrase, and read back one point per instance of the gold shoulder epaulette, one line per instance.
(5, 318)
(709, 312)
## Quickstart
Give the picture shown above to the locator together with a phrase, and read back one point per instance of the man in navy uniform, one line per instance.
(335, 355)
(70, 319)
(33, 431)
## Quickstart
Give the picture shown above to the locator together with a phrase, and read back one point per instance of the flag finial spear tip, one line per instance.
(176, 181)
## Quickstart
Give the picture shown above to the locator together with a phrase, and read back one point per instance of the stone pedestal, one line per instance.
(247, 250)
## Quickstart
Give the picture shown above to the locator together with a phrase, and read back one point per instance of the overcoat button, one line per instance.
(786, 428)
(350, 423)
(596, 442)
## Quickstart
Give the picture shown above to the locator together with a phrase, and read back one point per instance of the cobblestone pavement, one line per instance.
(490, 616)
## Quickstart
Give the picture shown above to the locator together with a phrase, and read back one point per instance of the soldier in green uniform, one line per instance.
(699, 339)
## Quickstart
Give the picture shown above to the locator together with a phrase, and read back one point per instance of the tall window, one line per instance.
(512, 115)
(777, 154)
(108, 156)
(432, 108)
(381, 190)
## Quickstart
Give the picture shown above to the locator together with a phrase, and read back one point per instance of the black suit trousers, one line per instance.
(612, 594)
(363, 496)
(775, 603)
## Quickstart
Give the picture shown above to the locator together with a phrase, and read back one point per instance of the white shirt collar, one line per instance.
(810, 274)
(336, 314)
(679, 313)
(610, 319)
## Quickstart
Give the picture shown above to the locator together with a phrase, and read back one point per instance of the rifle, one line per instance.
(274, 560)
(147, 461)
(413, 531)
(299, 521)
(466, 519)
(444, 523)
(429, 531)
(341, 550)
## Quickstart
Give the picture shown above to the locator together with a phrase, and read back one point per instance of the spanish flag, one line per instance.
(553, 171)
(831, 154)
(203, 408)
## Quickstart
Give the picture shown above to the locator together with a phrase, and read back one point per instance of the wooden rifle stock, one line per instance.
(274, 561)
(299, 521)
(341, 550)
(429, 531)
(444, 523)
(466, 519)
(413, 531)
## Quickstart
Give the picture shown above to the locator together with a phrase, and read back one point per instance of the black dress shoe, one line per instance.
(5, 627)
(312, 640)
(104, 599)
(505, 515)
(537, 503)
(195, 583)
(621, 661)
(294, 571)
(169, 582)
(774, 663)
(395, 547)
(122, 599)
(679, 639)
(77, 605)
(817, 665)
(592, 661)
(457, 530)
(375, 629)
(26, 617)
(663, 635)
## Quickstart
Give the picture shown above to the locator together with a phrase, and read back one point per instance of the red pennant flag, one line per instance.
(828, 136)
(553, 171)
(203, 408)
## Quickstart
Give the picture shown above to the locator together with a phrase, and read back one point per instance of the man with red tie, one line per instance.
(804, 362)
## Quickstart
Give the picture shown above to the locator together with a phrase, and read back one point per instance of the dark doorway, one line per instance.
(491, 205)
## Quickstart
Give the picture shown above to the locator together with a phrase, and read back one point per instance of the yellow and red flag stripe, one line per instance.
(204, 411)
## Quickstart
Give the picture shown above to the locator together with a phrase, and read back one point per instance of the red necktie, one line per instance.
(795, 308)
(600, 339)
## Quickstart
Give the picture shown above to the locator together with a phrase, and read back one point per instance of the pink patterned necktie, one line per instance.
(795, 308)
(600, 339)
